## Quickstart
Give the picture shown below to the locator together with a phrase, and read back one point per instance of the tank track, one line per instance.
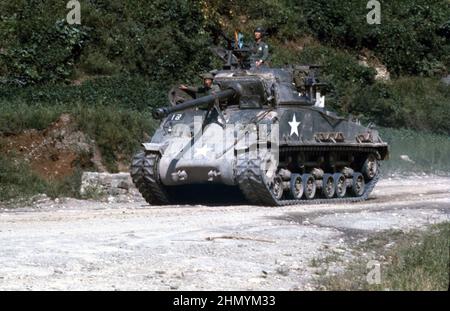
(251, 181)
(145, 176)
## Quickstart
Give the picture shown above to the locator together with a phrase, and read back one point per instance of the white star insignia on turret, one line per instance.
(294, 125)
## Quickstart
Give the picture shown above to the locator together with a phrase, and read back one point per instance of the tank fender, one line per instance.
(156, 148)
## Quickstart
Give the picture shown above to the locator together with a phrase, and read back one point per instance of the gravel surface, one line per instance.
(86, 245)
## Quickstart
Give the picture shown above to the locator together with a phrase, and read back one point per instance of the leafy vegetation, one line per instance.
(118, 132)
(143, 48)
(411, 39)
(169, 39)
(126, 92)
(162, 39)
(423, 265)
(18, 181)
(417, 261)
(37, 46)
(415, 103)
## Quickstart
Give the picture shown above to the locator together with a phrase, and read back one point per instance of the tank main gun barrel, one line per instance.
(160, 113)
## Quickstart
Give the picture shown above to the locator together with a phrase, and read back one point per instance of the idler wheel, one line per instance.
(309, 183)
(296, 186)
(358, 184)
(340, 185)
(328, 186)
(277, 187)
(370, 167)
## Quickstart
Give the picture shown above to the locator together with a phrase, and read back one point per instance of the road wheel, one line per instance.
(340, 185)
(309, 183)
(297, 187)
(277, 187)
(370, 167)
(358, 185)
(328, 187)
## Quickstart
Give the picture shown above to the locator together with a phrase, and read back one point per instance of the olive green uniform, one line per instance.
(260, 52)
(202, 91)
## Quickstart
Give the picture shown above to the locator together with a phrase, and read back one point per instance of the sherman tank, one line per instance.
(266, 134)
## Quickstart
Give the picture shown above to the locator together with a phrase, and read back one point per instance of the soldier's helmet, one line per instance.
(260, 30)
(206, 76)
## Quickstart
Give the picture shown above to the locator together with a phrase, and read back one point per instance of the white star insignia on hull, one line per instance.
(294, 126)
(203, 151)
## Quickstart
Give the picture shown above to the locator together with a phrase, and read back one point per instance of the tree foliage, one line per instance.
(144, 47)
(162, 39)
(167, 39)
(413, 37)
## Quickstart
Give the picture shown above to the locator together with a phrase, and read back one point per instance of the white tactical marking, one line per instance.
(294, 125)
(203, 151)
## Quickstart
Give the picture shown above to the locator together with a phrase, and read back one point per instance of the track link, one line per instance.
(251, 180)
(145, 176)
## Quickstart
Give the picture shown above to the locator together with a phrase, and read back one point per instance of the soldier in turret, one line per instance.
(208, 87)
(260, 50)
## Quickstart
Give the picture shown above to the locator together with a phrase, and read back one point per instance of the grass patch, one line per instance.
(125, 91)
(18, 181)
(418, 260)
(93, 193)
(117, 132)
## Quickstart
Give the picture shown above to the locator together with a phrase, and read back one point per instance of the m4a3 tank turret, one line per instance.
(266, 132)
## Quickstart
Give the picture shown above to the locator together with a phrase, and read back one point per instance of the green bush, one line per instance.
(416, 103)
(117, 132)
(163, 39)
(38, 46)
(280, 18)
(96, 63)
(16, 117)
(18, 181)
(169, 39)
(411, 39)
(124, 91)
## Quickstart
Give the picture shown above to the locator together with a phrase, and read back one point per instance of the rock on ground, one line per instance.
(114, 187)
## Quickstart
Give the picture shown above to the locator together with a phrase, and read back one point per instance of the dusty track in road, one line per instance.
(76, 245)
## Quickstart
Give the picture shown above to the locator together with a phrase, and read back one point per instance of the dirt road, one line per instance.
(77, 245)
